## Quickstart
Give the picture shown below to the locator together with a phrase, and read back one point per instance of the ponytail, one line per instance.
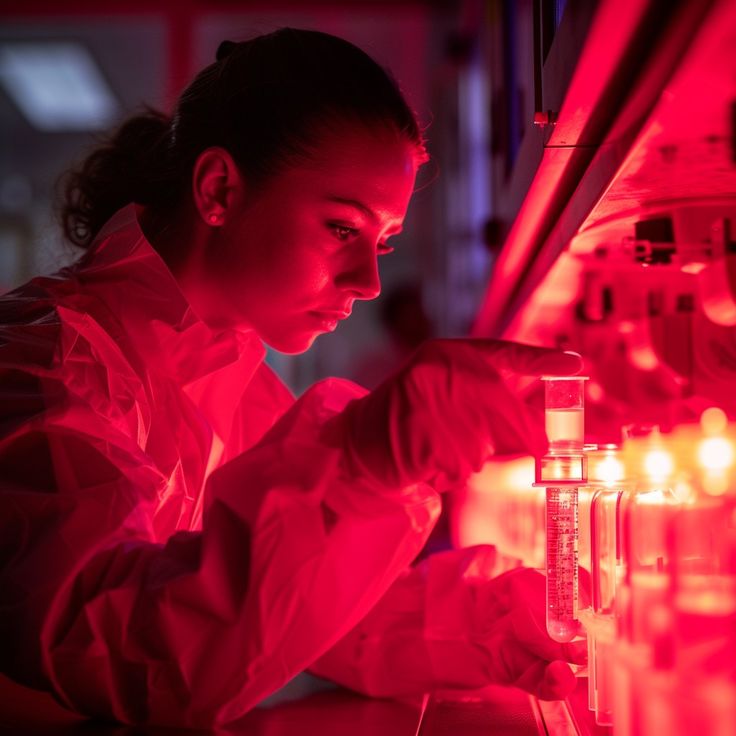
(132, 165)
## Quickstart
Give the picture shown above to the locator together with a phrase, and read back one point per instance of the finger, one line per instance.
(557, 683)
(510, 661)
(523, 592)
(576, 652)
(548, 680)
(488, 419)
(513, 664)
(530, 632)
(528, 360)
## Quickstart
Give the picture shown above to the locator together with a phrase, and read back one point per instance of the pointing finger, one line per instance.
(528, 360)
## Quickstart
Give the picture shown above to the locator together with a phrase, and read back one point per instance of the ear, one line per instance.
(216, 181)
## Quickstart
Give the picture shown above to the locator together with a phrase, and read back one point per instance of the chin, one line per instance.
(291, 344)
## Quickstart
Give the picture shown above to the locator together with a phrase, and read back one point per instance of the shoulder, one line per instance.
(54, 353)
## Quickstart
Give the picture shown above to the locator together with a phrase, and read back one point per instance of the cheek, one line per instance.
(296, 261)
(280, 264)
(312, 269)
(303, 277)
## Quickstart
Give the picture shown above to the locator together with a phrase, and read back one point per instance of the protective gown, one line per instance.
(178, 537)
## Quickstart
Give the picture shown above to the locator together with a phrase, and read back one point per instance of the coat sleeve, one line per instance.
(193, 632)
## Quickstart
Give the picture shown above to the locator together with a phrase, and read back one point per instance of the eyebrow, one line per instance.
(354, 203)
(358, 205)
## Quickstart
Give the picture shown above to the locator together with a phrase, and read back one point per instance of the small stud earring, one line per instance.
(214, 219)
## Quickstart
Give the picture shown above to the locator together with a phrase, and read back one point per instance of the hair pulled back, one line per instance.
(266, 101)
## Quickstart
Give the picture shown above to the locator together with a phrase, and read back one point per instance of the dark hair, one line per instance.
(266, 100)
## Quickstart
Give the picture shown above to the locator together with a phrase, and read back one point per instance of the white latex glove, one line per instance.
(447, 624)
(446, 411)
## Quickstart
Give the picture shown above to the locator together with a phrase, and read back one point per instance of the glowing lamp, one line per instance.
(610, 470)
(658, 464)
(715, 453)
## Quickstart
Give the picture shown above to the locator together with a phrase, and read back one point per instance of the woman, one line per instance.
(180, 537)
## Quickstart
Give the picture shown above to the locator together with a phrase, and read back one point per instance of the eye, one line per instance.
(342, 232)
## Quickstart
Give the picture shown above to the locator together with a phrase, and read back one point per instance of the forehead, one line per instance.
(378, 169)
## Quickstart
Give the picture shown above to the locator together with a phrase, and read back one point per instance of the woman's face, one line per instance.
(298, 252)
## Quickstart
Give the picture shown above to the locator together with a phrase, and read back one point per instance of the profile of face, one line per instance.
(292, 256)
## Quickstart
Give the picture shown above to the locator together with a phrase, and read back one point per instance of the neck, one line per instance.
(182, 241)
(170, 236)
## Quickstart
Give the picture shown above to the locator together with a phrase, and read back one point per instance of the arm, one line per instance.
(293, 552)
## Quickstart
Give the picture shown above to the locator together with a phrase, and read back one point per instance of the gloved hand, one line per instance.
(446, 411)
(507, 628)
(448, 624)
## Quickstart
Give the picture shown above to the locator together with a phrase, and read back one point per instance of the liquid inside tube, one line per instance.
(562, 563)
(564, 428)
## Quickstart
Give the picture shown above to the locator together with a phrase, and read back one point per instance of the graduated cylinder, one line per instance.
(561, 471)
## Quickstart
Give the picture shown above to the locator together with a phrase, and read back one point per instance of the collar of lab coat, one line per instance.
(123, 271)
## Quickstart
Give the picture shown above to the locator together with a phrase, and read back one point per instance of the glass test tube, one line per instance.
(562, 563)
(606, 474)
(562, 468)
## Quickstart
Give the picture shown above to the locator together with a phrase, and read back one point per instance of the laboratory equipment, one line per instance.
(562, 470)
(661, 625)
(607, 483)
(633, 264)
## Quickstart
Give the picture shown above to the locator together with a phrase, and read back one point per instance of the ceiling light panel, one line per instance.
(57, 86)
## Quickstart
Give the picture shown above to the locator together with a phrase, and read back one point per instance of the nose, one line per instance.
(361, 277)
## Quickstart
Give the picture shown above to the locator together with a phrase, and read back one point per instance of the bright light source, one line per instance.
(57, 86)
(658, 464)
(610, 470)
(715, 453)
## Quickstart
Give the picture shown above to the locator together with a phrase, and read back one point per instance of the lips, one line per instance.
(336, 314)
(327, 321)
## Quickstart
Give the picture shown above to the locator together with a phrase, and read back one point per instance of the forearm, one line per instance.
(293, 552)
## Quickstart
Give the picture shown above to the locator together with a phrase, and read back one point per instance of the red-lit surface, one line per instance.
(670, 364)
(566, 153)
(653, 315)
(619, 78)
